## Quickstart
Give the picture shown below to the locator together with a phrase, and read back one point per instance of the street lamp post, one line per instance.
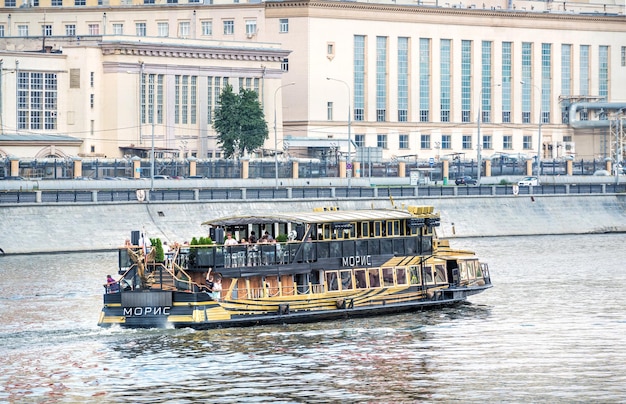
(276, 133)
(539, 128)
(349, 158)
(480, 140)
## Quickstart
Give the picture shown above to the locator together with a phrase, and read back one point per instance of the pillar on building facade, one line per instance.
(569, 165)
(487, 168)
(529, 167)
(401, 169)
(445, 170)
(136, 167)
(608, 164)
(15, 166)
(356, 166)
(78, 167)
(294, 169)
(193, 163)
(342, 169)
(245, 168)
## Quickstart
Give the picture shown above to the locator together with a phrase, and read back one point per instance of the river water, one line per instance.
(553, 329)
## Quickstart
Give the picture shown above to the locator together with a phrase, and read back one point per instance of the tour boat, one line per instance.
(320, 265)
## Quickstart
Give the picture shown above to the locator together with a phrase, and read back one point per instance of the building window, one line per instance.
(207, 28)
(172, 1)
(118, 29)
(507, 142)
(140, 29)
(424, 72)
(94, 29)
(507, 73)
(250, 27)
(37, 101)
(424, 141)
(623, 56)
(329, 111)
(46, 30)
(487, 142)
(467, 142)
(91, 100)
(359, 140)
(92, 79)
(358, 87)
(526, 78)
(603, 71)
(284, 65)
(22, 30)
(446, 142)
(546, 73)
(148, 1)
(381, 141)
(151, 88)
(446, 79)
(185, 99)
(9, 3)
(70, 30)
(330, 50)
(184, 29)
(80, 2)
(283, 25)
(584, 69)
(527, 142)
(403, 79)
(1, 31)
(163, 29)
(566, 69)
(381, 79)
(403, 141)
(486, 82)
(466, 81)
(57, 3)
(229, 27)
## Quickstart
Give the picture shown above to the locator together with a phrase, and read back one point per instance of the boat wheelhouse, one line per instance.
(324, 264)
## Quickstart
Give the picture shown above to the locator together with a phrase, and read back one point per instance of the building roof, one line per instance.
(37, 138)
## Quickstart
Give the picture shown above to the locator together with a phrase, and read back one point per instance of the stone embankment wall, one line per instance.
(87, 227)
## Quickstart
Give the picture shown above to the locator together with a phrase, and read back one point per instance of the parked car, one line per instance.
(528, 182)
(465, 180)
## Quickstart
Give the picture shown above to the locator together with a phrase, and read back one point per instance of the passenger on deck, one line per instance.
(252, 239)
(268, 236)
(112, 285)
(208, 283)
(230, 240)
(217, 287)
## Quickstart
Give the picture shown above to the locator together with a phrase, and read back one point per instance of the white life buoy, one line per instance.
(141, 195)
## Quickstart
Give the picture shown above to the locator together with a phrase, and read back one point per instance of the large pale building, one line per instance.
(413, 80)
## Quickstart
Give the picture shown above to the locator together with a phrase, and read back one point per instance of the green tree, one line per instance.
(239, 122)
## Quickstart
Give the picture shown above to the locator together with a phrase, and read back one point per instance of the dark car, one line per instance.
(465, 180)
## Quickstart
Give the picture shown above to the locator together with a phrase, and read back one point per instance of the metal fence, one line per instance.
(58, 169)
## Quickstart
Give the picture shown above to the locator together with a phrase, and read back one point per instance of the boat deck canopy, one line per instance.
(313, 217)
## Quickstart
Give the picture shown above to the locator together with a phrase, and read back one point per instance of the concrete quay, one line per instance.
(49, 228)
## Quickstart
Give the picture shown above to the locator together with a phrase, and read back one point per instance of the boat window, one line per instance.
(348, 248)
(401, 275)
(331, 281)
(471, 272)
(427, 271)
(360, 278)
(463, 270)
(479, 271)
(374, 277)
(440, 273)
(361, 247)
(365, 229)
(302, 280)
(377, 230)
(323, 250)
(373, 246)
(415, 275)
(386, 246)
(335, 249)
(393, 228)
(398, 246)
(388, 276)
(328, 233)
(346, 280)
